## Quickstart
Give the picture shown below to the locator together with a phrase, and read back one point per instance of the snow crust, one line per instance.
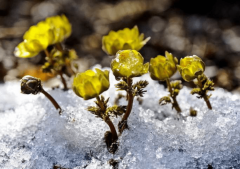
(34, 136)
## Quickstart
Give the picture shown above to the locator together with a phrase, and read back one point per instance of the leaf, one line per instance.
(122, 85)
(177, 84)
(196, 91)
(116, 110)
(139, 92)
(141, 84)
(208, 85)
(165, 100)
(175, 92)
(106, 101)
(96, 111)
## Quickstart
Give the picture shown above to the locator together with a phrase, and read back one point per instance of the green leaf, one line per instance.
(141, 84)
(122, 85)
(116, 110)
(196, 91)
(177, 84)
(165, 100)
(96, 111)
(139, 92)
(208, 85)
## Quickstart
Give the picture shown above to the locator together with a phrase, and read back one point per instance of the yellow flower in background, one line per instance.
(61, 26)
(22, 50)
(51, 31)
(122, 40)
(128, 63)
(162, 68)
(190, 67)
(90, 84)
(41, 34)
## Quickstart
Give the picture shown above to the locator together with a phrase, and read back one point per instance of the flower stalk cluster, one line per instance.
(47, 36)
(204, 85)
(173, 88)
(126, 65)
(162, 68)
(132, 90)
(192, 67)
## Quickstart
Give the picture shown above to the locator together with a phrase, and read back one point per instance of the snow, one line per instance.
(33, 135)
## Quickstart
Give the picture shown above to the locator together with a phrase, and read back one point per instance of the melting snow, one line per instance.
(33, 135)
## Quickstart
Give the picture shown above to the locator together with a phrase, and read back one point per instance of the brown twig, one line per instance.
(56, 105)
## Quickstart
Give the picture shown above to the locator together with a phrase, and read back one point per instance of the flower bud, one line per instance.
(30, 85)
(122, 40)
(190, 67)
(90, 84)
(128, 63)
(162, 68)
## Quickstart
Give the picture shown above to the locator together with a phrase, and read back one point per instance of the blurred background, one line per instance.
(209, 29)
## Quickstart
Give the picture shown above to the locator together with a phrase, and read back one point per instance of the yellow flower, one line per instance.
(23, 50)
(128, 63)
(90, 84)
(61, 26)
(123, 39)
(51, 31)
(190, 67)
(161, 67)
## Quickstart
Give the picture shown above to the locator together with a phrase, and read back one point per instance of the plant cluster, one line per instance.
(127, 64)
(47, 36)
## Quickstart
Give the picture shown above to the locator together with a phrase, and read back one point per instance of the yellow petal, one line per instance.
(162, 67)
(122, 40)
(90, 84)
(128, 63)
(190, 67)
(21, 51)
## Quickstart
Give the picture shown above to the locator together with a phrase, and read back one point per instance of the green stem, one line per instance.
(175, 103)
(204, 94)
(130, 100)
(108, 120)
(56, 105)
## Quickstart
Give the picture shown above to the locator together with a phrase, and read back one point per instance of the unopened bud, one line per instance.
(30, 85)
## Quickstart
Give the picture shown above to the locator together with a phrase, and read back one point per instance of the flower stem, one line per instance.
(108, 120)
(47, 53)
(112, 128)
(122, 125)
(205, 97)
(56, 105)
(63, 81)
(59, 47)
(207, 102)
(130, 100)
(175, 103)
